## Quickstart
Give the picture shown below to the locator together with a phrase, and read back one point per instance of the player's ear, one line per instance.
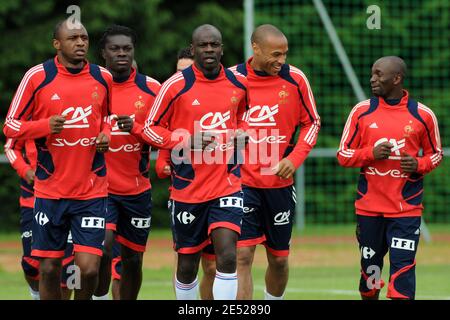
(397, 79)
(103, 55)
(192, 49)
(56, 44)
(256, 48)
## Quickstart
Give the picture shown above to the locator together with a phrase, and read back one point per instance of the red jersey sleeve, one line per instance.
(431, 142)
(138, 126)
(156, 132)
(309, 120)
(14, 153)
(18, 124)
(350, 153)
(106, 107)
(162, 161)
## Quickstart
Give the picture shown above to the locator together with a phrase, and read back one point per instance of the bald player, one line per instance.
(281, 104)
(384, 136)
(63, 104)
(204, 102)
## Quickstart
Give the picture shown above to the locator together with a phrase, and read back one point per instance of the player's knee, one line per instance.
(226, 262)
(50, 267)
(209, 268)
(279, 264)
(89, 272)
(132, 261)
(245, 258)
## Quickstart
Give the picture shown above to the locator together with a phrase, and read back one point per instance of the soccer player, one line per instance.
(22, 155)
(202, 103)
(129, 199)
(383, 136)
(281, 102)
(63, 105)
(162, 167)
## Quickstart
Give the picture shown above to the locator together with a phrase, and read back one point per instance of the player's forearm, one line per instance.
(27, 129)
(162, 138)
(426, 164)
(355, 158)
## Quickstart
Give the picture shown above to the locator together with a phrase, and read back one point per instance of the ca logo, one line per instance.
(218, 119)
(79, 115)
(265, 116)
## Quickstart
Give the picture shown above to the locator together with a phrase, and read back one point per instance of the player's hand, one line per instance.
(29, 177)
(284, 169)
(125, 123)
(166, 170)
(56, 124)
(408, 163)
(102, 142)
(201, 140)
(240, 139)
(382, 151)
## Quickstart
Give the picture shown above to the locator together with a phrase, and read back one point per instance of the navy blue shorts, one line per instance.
(398, 236)
(53, 219)
(192, 223)
(116, 263)
(30, 265)
(268, 218)
(133, 217)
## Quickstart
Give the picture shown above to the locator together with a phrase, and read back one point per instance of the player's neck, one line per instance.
(210, 74)
(120, 76)
(70, 64)
(395, 94)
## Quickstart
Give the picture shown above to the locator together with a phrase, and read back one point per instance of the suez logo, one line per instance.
(79, 118)
(394, 173)
(115, 131)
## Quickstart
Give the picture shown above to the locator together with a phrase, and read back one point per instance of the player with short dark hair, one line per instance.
(129, 199)
(281, 103)
(204, 102)
(384, 136)
(63, 104)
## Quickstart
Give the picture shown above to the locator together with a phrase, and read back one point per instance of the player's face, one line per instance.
(183, 63)
(272, 54)
(207, 50)
(119, 53)
(72, 42)
(383, 78)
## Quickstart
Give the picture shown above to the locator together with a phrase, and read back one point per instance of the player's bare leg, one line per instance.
(66, 293)
(209, 274)
(186, 284)
(50, 273)
(104, 276)
(115, 289)
(245, 257)
(277, 275)
(225, 283)
(131, 277)
(89, 265)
